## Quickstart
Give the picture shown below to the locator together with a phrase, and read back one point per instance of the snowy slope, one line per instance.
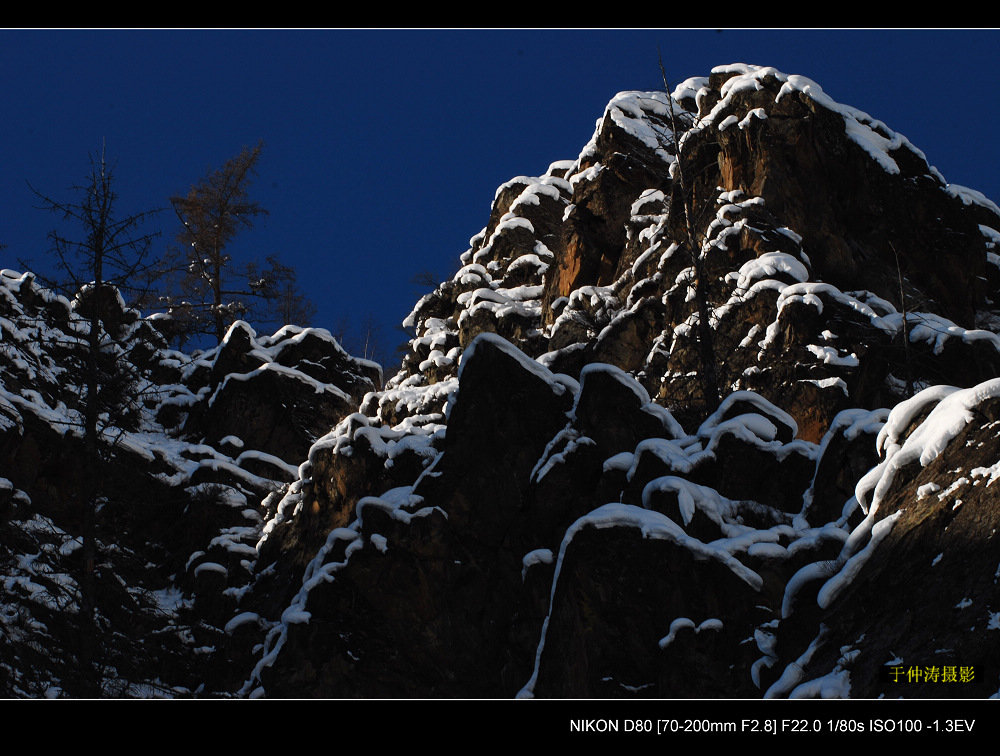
(180, 501)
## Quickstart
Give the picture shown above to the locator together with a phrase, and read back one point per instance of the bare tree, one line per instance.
(365, 339)
(290, 305)
(213, 290)
(426, 279)
(706, 348)
(905, 324)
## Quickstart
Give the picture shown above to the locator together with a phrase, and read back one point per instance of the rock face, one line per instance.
(186, 463)
(584, 524)
(709, 411)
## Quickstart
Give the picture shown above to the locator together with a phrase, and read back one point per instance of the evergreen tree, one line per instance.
(107, 256)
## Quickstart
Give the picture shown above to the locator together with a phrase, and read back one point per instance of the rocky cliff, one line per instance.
(707, 412)
(198, 448)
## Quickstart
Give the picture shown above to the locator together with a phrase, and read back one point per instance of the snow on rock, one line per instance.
(878, 530)
(871, 135)
(761, 427)
(652, 525)
(953, 410)
(768, 265)
(634, 113)
(584, 281)
(532, 558)
(532, 366)
(683, 622)
(972, 197)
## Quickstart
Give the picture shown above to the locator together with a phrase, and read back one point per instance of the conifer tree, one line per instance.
(107, 255)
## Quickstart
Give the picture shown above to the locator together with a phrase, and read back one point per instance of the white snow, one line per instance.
(683, 622)
(833, 587)
(500, 343)
(832, 356)
(971, 197)
(629, 111)
(871, 135)
(651, 525)
(538, 556)
(953, 410)
(767, 265)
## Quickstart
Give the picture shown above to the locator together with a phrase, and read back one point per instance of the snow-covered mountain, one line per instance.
(707, 412)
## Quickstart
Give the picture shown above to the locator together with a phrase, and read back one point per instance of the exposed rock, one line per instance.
(176, 521)
(553, 497)
(810, 338)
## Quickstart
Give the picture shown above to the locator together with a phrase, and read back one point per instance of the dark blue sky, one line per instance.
(383, 149)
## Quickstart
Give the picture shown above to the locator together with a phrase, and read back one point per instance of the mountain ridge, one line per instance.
(546, 500)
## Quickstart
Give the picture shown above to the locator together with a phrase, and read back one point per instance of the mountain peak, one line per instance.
(728, 374)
